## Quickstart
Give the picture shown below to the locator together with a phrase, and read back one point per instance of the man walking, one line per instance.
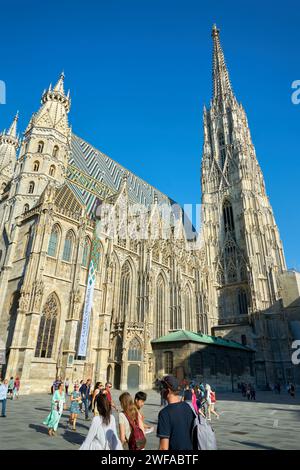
(3, 397)
(175, 421)
(85, 391)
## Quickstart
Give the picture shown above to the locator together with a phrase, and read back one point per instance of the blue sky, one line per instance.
(140, 72)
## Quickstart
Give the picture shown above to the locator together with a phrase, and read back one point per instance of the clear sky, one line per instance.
(140, 72)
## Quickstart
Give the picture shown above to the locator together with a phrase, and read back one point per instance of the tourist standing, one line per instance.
(57, 406)
(131, 426)
(248, 392)
(208, 401)
(11, 388)
(85, 391)
(176, 420)
(107, 392)
(292, 390)
(3, 397)
(102, 434)
(74, 408)
(139, 401)
(17, 385)
(252, 392)
(95, 394)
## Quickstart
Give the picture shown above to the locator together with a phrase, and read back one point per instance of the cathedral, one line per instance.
(224, 310)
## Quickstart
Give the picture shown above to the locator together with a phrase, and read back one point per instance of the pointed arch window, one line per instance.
(125, 287)
(243, 302)
(86, 253)
(40, 146)
(47, 328)
(53, 242)
(221, 139)
(31, 187)
(36, 166)
(228, 217)
(188, 309)
(68, 246)
(52, 170)
(135, 350)
(55, 151)
(160, 306)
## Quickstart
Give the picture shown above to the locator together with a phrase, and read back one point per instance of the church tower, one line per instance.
(45, 150)
(243, 250)
(9, 143)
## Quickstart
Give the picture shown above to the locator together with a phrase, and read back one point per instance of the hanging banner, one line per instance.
(89, 296)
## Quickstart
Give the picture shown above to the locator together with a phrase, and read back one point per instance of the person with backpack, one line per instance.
(176, 420)
(131, 426)
(102, 434)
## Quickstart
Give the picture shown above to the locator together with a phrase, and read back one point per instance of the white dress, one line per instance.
(102, 436)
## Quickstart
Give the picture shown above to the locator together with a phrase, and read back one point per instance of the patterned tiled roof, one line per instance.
(100, 166)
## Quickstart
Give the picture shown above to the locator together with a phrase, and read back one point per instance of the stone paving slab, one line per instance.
(273, 422)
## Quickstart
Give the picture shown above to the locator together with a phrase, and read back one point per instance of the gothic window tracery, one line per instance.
(47, 328)
(53, 241)
(243, 302)
(125, 286)
(135, 350)
(86, 252)
(160, 306)
(68, 246)
(188, 309)
(228, 217)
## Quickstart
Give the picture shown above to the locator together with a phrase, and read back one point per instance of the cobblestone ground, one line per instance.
(272, 422)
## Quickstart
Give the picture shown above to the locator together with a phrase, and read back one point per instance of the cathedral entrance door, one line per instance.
(117, 376)
(133, 378)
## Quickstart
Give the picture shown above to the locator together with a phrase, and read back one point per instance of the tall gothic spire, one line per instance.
(9, 143)
(221, 81)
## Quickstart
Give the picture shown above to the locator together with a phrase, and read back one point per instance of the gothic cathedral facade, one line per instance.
(144, 289)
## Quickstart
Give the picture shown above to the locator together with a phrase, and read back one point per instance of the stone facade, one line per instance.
(144, 288)
(222, 365)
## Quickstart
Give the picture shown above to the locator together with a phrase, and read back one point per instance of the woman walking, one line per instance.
(17, 385)
(96, 392)
(74, 408)
(102, 434)
(131, 426)
(11, 388)
(57, 406)
(213, 403)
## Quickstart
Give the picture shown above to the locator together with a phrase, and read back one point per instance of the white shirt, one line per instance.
(102, 436)
(3, 391)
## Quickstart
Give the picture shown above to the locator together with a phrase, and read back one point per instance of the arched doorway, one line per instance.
(133, 377)
(117, 376)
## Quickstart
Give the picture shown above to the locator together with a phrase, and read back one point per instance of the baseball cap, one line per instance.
(170, 382)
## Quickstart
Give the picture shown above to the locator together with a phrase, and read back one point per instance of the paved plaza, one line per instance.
(273, 422)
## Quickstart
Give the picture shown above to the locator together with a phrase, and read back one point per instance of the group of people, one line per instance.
(103, 430)
(248, 390)
(175, 420)
(9, 389)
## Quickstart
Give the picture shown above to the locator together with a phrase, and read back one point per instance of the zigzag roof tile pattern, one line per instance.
(98, 165)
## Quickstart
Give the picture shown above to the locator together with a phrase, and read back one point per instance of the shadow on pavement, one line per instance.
(39, 428)
(257, 446)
